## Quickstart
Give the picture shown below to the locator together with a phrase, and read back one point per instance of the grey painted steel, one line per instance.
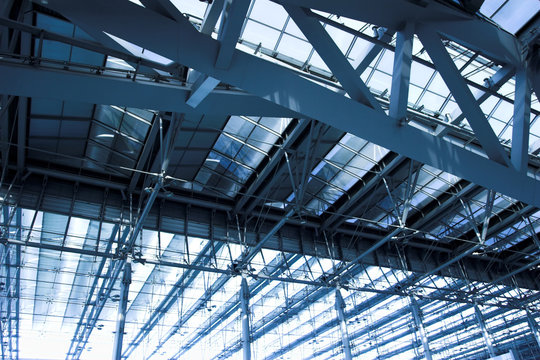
(55, 200)
(459, 89)
(462, 27)
(340, 306)
(417, 315)
(485, 332)
(332, 56)
(142, 93)
(122, 307)
(301, 96)
(402, 72)
(521, 122)
(246, 333)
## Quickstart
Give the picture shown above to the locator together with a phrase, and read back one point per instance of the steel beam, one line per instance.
(246, 333)
(401, 73)
(301, 96)
(485, 332)
(267, 171)
(462, 27)
(201, 89)
(520, 125)
(55, 200)
(500, 78)
(362, 62)
(460, 91)
(211, 16)
(233, 17)
(104, 89)
(332, 56)
(18, 217)
(340, 306)
(417, 315)
(122, 307)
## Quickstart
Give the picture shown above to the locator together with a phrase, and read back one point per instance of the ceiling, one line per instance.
(206, 143)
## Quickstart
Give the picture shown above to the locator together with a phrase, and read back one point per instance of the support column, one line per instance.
(534, 326)
(420, 326)
(122, 307)
(402, 72)
(485, 332)
(521, 122)
(340, 305)
(246, 338)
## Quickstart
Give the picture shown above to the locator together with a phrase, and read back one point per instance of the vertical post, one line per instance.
(402, 72)
(122, 307)
(340, 305)
(18, 217)
(420, 326)
(534, 326)
(485, 332)
(520, 127)
(244, 299)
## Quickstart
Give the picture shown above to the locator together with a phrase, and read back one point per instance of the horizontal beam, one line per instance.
(266, 79)
(291, 238)
(26, 80)
(482, 36)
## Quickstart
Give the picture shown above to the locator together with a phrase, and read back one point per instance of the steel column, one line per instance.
(485, 333)
(121, 318)
(340, 306)
(522, 116)
(420, 326)
(246, 334)
(402, 72)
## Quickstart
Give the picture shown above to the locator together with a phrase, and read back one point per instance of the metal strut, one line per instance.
(122, 307)
(485, 332)
(246, 338)
(340, 305)
(420, 327)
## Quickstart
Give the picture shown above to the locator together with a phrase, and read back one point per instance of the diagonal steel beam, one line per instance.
(460, 91)
(211, 16)
(500, 78)
(332, 56)
(363, 61)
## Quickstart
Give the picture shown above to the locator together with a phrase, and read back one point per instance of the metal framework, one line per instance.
(269, 179)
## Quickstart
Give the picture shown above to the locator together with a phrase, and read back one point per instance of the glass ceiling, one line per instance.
(195, 314)
(178, 312)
